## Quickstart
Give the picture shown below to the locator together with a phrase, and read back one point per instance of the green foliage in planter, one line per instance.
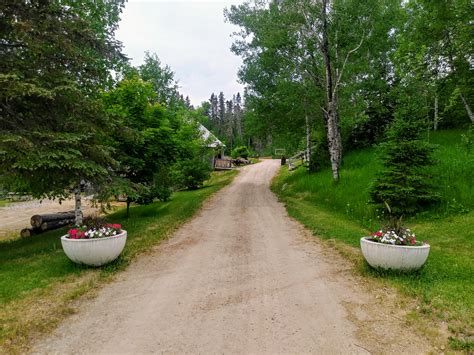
(241, 151)
(404, 182)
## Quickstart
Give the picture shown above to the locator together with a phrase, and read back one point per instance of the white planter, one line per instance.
(94, 252)
(395, 257)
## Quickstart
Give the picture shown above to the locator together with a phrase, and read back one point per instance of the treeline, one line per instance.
(74, 112)
(346, 69)
(225, 119)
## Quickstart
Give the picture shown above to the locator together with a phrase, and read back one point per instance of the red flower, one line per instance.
(377, 234)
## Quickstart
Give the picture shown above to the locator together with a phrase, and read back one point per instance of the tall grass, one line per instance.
(453, 178)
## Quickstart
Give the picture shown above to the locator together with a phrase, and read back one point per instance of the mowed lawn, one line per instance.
(444, 287)
(38, 282)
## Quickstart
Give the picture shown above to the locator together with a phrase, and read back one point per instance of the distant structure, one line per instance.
(212, 142)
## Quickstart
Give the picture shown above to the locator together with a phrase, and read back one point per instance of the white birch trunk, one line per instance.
(334, 140)
(308, 140)
(467, 108)
(78, 207)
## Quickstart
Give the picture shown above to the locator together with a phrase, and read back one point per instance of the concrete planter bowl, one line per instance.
(94, 252)
(394, 257)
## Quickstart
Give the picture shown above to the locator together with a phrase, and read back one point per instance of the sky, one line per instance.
(190, 36)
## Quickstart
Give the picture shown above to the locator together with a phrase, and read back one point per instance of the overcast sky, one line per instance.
(188, 35)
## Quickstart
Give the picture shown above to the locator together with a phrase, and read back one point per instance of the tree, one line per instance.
(405, 183)
(238, 116)
(310, 54)
(55, 58)
(221, 114)
(145, 143)
(162, 79)
(434, 48)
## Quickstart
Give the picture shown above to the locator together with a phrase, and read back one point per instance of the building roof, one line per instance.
(209, 138)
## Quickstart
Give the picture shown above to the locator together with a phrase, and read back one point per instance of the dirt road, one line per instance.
(241, 277)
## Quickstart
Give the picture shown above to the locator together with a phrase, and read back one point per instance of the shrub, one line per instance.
(241, 151)
(191, 173)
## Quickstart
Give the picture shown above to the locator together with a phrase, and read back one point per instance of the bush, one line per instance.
(191, 173)
(319, 156)
(404, 182)
(241, 151)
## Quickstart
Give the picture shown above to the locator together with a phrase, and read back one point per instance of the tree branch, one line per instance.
(338, 79)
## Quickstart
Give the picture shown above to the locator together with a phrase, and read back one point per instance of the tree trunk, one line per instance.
(467, 108)
(334, 140)
(47, 226)
(331, 114)
(27, 232)
(37, 220)
(128, 206)
(436, 118)
(308, 140)
(78, 207)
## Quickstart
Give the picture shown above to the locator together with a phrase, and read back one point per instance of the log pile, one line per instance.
(46, 222)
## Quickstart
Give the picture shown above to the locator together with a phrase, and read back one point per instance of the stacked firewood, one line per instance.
(46, 222)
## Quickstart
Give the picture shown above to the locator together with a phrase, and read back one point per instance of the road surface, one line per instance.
(241, 277)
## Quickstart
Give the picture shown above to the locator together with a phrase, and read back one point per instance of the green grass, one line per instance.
(444, 287)
(3, 203)
(30, 266)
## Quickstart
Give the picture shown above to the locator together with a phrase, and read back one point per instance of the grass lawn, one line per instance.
(38, 282)
(444, 287)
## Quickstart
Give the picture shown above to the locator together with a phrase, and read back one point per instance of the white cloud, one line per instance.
(190, 36)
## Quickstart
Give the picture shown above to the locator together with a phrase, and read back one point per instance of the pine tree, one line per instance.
(229, 123)
(220, 114)
(213, 115)
(54, 61)
(405, 183)
(188, 104)
(238, 113)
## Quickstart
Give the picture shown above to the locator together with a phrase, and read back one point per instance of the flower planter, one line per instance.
(394, 257)
(96, 251)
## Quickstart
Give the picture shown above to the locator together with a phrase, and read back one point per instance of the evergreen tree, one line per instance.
(187, 103)
(220, 114)
(214, 116)
(404, 184)
(238, 113)
(228, 124)
(55, 59)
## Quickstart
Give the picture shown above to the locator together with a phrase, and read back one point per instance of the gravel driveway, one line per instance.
(241, 277)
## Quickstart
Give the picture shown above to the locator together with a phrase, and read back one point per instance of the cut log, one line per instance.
(38, 219)
(47, 226)
(27, 232)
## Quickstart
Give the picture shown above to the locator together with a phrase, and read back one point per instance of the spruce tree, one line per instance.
(404, 184)
(220, 114)
(55, 59)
